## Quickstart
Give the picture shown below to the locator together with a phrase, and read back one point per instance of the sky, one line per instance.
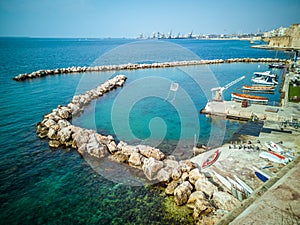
(129, 18)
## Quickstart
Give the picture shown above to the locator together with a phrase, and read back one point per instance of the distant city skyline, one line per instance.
(115, 18)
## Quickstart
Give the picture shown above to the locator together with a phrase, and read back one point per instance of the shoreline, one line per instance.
(130, 66)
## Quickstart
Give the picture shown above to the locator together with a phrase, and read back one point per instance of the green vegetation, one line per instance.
(294, 93)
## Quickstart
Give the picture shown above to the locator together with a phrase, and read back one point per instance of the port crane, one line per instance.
(217, 92)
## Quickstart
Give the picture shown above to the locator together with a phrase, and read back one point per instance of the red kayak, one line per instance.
(211, 159)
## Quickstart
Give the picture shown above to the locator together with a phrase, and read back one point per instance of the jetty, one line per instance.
(137, 66)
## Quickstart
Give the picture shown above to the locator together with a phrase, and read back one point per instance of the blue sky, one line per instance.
(128, 18)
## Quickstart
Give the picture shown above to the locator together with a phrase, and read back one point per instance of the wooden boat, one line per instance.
(250, 98)
(258, 88)
(260, 174)
(211, 159)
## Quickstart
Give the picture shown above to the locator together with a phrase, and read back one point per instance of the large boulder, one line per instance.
(151, 167)
(224, 201)
(149, 151)
(202, 207)
(94, 148)
(64, 134)
(196, 195)
(182, 193)
(205, 186)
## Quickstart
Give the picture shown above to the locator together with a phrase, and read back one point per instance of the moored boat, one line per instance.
(265, 74)
(258, 88)
(250, 98)
(274, 147)
(264, 80)
(277, 65)
(274, 157)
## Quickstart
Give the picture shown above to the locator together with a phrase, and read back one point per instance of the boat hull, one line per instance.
(250, 98)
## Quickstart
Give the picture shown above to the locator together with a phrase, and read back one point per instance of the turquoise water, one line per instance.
(39, 185)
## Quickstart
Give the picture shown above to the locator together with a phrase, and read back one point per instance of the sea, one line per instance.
(159, 107)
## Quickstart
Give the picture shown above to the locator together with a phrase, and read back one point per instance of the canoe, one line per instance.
(223, 180)
(243, 184)
(274, 147)
(211, 159)
(258, 88)
(260, 174)
(251, 98)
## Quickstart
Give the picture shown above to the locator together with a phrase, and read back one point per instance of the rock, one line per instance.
(197, 195)
(194, 175)
(148, 152)
(182, 193)
(205, 186)
(164, 175)
(202, 207)
(129, 149)
(184, 176)
(64, 134)
(64, 113)
(54, 143)
(42, 131)
(63, 123)
(52, 134)
(171, 187)
(176, 173)
(112, 147)
(48, 123)
(94, 148)
(224, 201)
(119, 157)
(135, 160)
(186, 165)
(151, 167)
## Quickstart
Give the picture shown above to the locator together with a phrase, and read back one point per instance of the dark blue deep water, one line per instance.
(39, 185)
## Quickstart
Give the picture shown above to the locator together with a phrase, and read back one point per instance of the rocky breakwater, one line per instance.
(181, 179)
(130, 66)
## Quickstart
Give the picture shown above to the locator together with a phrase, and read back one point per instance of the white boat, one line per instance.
(265, 74)
(273, 157)
(243, 184)
(264, 80)
(223, 180)
(274, 147)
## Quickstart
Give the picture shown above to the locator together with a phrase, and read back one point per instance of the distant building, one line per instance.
(284, 37)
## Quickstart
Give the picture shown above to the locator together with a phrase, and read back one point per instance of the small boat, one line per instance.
(243, 184)
(273, 157)
(211, 159)
(223, 180)
(250, 98)
(264, 80)
(265, 74)
(277, 65)
(274, 147)
(258, 88)
(260, 174)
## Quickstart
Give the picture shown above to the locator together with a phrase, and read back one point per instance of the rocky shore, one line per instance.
(129, 66)
(181, 179)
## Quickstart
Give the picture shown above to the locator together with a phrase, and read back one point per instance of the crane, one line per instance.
(217, 93)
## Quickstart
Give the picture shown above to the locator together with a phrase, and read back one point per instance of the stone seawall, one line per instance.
(129, 66)
(182, 179)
